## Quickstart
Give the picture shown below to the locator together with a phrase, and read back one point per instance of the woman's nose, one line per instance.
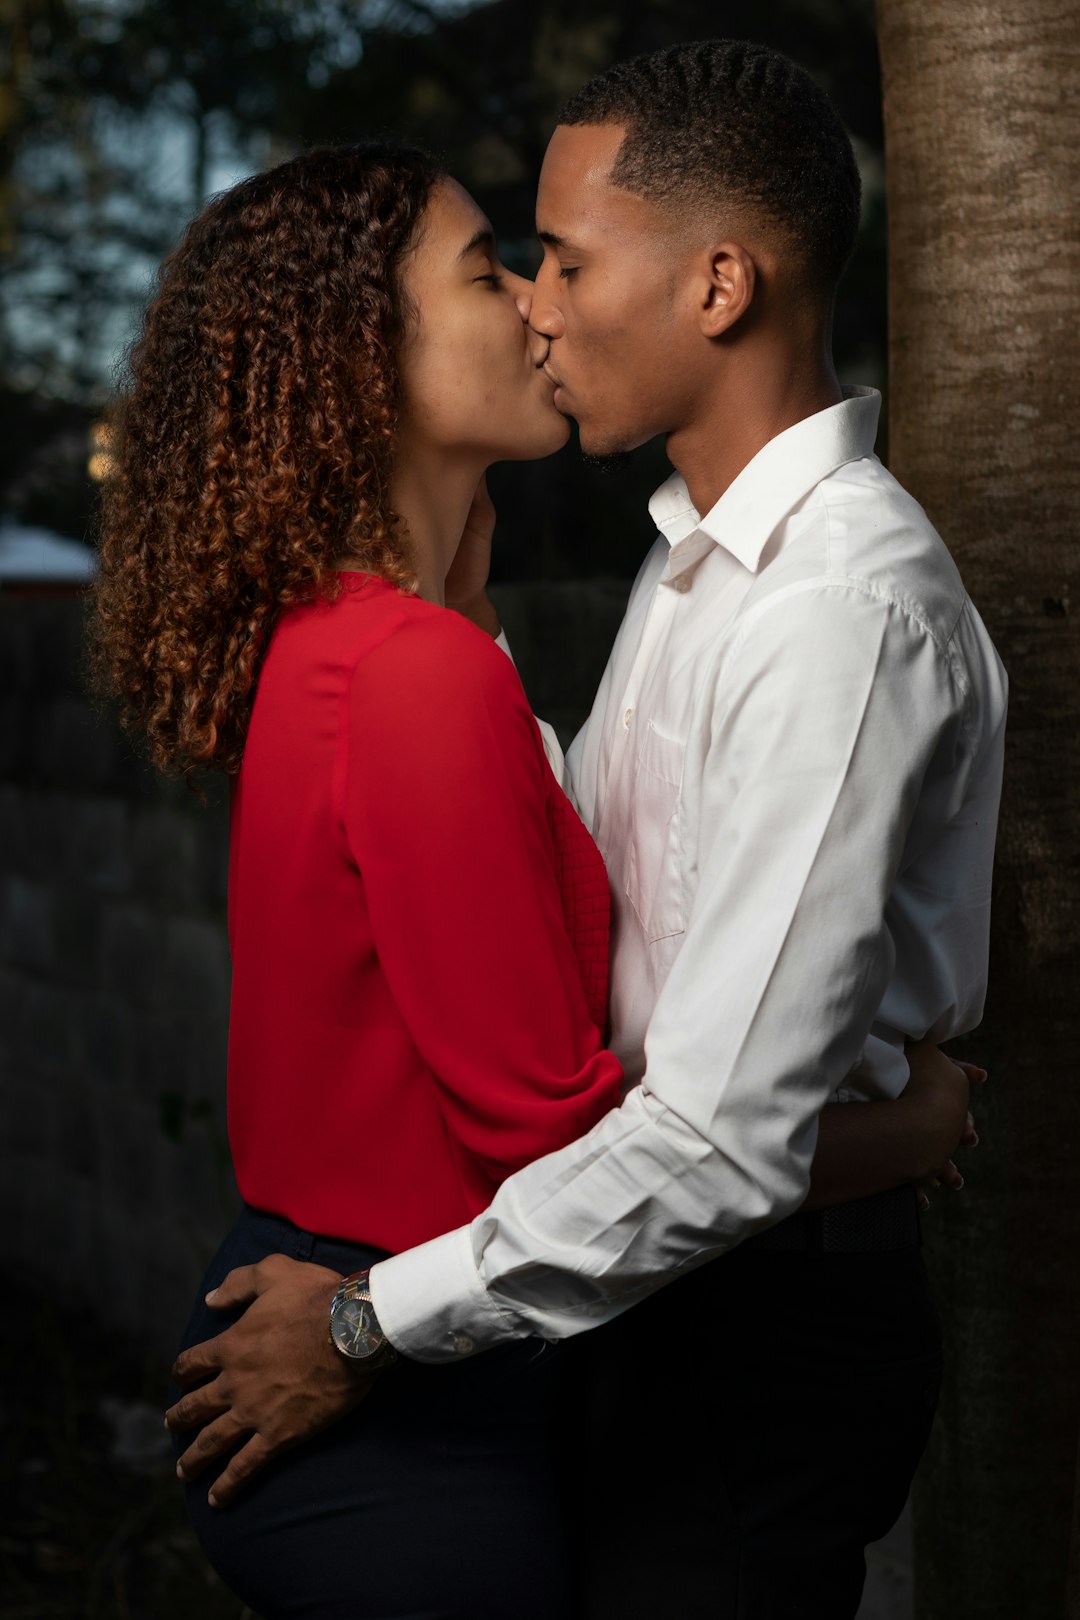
(523, 290)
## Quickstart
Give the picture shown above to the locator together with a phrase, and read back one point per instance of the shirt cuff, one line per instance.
(432, 1305)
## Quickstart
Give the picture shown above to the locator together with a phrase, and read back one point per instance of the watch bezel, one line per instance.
(381, 1353)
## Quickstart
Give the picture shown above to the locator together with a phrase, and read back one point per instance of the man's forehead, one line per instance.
(581, 155)
(576, 201)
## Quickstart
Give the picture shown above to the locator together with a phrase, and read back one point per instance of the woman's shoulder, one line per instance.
(435, 687)
(370, 623)
(422, 645)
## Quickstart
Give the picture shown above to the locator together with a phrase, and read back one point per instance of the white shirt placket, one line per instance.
(623, 718)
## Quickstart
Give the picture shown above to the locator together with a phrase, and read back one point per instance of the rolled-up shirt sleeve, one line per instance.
(825, 723)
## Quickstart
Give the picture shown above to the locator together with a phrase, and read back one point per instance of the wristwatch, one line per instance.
(354, 1327)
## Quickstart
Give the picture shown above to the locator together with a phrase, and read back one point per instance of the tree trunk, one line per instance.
(982, 126)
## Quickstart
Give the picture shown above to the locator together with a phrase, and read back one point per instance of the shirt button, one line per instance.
(463, 1345)
(627, 717)
(682, 584)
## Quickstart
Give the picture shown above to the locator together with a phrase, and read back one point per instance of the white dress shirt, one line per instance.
(792, 769)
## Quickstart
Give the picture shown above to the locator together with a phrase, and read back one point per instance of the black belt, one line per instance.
(888, 1220)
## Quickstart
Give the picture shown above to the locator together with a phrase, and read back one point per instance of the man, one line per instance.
(792, 769)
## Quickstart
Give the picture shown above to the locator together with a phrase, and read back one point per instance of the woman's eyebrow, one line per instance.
(484, 237)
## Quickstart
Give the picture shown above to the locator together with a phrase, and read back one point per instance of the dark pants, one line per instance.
(724, 1450)
(435, 1500)
(751, 1428)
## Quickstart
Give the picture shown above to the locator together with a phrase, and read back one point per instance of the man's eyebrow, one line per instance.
(484, 237)
(550, 239)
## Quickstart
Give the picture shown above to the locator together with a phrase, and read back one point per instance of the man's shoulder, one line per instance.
(863, 579)
(860, 534)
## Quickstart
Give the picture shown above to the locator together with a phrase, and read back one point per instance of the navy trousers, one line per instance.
(751, 1428)
(723, 1451)
(434, 1500)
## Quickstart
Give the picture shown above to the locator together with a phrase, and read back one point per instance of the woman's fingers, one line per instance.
(948, 1176)
(975, 1075)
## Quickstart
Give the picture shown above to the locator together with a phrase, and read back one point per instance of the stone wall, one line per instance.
(114, 968)
(113, 996)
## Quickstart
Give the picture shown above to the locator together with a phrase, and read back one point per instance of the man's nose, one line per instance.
(544, 316)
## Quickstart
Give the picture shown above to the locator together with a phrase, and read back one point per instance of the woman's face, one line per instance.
(470, 367)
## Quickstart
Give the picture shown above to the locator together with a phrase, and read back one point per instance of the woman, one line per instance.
(418, 920)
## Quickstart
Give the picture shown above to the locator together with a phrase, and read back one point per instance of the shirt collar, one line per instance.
(770, 486)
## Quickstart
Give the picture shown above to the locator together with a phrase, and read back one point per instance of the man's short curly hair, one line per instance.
(254, 439)
(728, 122)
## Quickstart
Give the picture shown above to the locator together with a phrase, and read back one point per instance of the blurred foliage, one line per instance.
(117, 117)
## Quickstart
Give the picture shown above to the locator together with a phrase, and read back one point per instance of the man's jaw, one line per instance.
(604, 461)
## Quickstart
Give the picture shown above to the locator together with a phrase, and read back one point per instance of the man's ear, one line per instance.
(729, 283)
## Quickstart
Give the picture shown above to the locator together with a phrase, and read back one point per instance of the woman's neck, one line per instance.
(432, 498)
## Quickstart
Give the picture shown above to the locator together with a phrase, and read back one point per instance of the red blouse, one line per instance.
(407, 887)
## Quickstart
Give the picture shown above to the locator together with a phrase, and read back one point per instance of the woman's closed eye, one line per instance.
(568, 270)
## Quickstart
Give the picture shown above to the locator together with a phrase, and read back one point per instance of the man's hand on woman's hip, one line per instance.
(268, 1382)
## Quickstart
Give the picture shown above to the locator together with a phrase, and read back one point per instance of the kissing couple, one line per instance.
(579, 1106)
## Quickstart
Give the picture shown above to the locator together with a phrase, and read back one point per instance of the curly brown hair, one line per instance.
(254, 440)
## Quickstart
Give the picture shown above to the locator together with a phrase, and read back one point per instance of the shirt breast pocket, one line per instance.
(653, 877)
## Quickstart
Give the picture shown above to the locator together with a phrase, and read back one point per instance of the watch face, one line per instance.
(355, 1329)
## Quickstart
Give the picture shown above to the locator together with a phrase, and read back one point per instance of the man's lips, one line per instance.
(559, 389)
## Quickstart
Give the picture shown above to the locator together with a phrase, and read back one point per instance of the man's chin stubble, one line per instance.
(610, 461)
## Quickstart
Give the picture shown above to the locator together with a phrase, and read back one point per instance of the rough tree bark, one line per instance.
(982, 121)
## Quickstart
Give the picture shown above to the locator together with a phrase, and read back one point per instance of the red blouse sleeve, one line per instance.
(444, 809)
